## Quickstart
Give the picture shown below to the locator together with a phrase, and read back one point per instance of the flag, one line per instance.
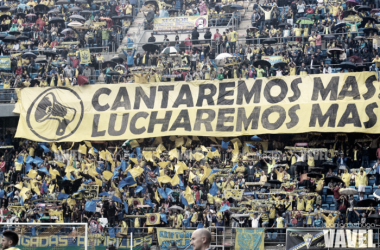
(173, 154)
(234, 167)
(200, 225)
(153, 219)
(123, 165)
(29, 159)
(126, 207)
(181, 186)
(115, 174)
(22, 201)
(168, 191)
(65, 178)
(250, 145)
(111, 232)
(1, 193)
(10, 194)
(20, 159)
(44, 187)
(129, 179)
(62, 196)
(186, 223)
(213, 172)
(175, 180)
(90, 206)
(107, 175)
(104, 194)
(184, 201)
(116, 199)
(43, 170)
(82, 149)
(46, 149)
(138, 189)
(85, 58)
(138, 151)
(162, 193)
(37, 160)
(28, 167)
(122, 184)
(160, 148)
(224, 208)
(163, 217)
(149, 202)
(157, 197)
(214, 189)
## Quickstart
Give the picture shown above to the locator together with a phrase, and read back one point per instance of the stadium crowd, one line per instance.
(191, 182)
(43, 41)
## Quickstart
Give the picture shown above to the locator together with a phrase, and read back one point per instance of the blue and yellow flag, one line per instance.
(85, 57)
(247, 239)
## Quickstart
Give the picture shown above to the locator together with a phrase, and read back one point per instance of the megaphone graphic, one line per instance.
(50, 108)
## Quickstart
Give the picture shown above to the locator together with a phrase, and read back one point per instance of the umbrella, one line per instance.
(41, 61)
(54, 11)
(41, 7)
(62, 2)
(349, 13)
(113, 73)
(105, 18)
(82, 80)
(348, 191)
(78, 17)
(116, 26)
(280, 64)
(334, 179)
(119, 17)
(66, 30)
(151, 47)
(6, 8)
(270, 41)
(81, 1)
(347, 65)
(222, 56)
(117, 59)
(367, 203)
(111, 63)
(316, 169)
(34, 82)
(377, 194)
(314, 175)
(374, 216)
(339, 25)
(369, 30)
(10, 39)
(375, 10)
(75, 24)
(150, 2)
(335, 49)
(300, 163)
(2, 36)
(30, 15)
(232, 7)
(255, 138)
(361, 68)
(263, 63)
(172, 11)
(85, 12)
(169, 50)
(274, 182)
(14, 33)
(176, 208)
(29, 54)
(21, 14)
(365, 8)
(329, 37)
(4, 17)
(22, 38)
(56, 20)
(359, 37)
(121, 66)
(356, 59)
(366, 20)
(75, 9)
(328, 165)
(305, 20)
(352, 2)
(49, 52)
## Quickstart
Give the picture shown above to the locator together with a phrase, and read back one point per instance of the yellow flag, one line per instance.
(191, 177)
(60, 149)
(72, 145)
(136, 171)
(188, 142)
(179, 142)
(102, 155)
(19, 185)
(135, 201)
(69, 169)
(157, 141)
(183, 150)
(92, 172)
(195, 138)
(175, 180)
(134, 160)
(98, 182)
(210, 154)
(238, 141)
(204, 149)
(163, 164)
(82, 149)
(54, 148)
(153, 219)
(92, 152)
(206, 172)
(134, 143)
(88, 144)
(115, 151)
(148, 155)
(32, 174)
(188, 196)
(51, 188)
(160, 148)
(60, 164)
(107, 175)
(108, 156)
(24, 193)
(164, 179)
(198, 156)
(157, 197)
(54, 173)
(173, 154)
(172, 138)
(216, 153)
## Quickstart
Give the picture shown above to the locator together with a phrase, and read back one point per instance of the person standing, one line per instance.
(201, 239)
(10, 240)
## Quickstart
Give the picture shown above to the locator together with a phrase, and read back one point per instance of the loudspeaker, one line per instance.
(50, 108)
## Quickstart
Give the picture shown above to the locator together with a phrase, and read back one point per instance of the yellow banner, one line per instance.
(249, 239)
(180, 23)
(294, 104)
(153, 219)
(85, 57)
(166, 236)
(236, 194)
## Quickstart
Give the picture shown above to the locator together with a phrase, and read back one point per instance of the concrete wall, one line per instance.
(6, 110)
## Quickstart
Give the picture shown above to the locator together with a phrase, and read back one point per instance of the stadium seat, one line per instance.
(368, 190)
(356, 197)
(324, 190)
(301, 187)
(352, 187)
(323, 198)
(374, 189)
(325, 207)
(328, 61)
(365, 196)
(371, 182)
(370, 196)
(332, 207)
(329, 199)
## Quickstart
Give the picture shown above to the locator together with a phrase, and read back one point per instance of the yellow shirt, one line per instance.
(233, 36)
(297, 31)
(280, 222)
(292, 71)
(59, 214)
(330, 222)
(377, 62)
(309, 204)
(300, 204)
(280, 175)
(361, 178)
